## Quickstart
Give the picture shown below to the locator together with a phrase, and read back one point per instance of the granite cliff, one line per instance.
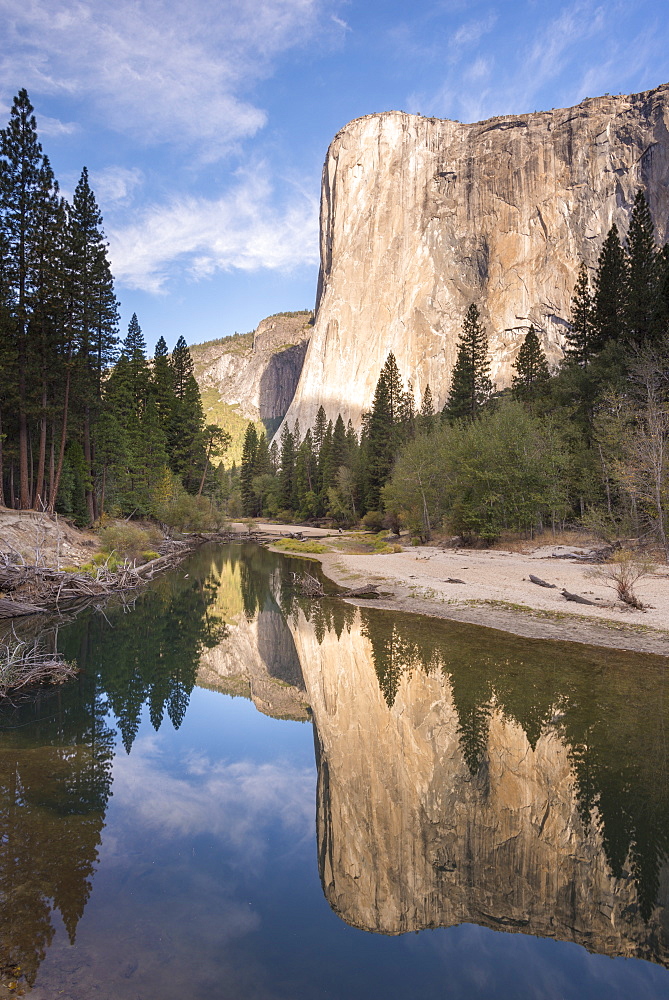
(410, 838)
(421, 216)
(252, 376)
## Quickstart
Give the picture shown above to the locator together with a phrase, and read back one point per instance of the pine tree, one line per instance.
(380, 443)
(20, 165)
(335, 453)
(426, 415)
(531, 368)
(134, 349)
(287, 474)
(642, 300)
(249, 453)
(162, 384)
(581, 340)
(182, 366)
(470, 383)
(609, 295)
(93, 310)
(663, 288)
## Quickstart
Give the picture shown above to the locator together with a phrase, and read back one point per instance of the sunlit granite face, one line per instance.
(412, 834)
(421, 217)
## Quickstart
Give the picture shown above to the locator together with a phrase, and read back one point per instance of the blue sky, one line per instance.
(204, 125)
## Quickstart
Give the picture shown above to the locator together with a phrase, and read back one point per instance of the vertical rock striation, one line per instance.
(420, 217)
(408, 838)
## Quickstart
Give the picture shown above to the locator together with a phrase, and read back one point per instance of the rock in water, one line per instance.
(421, 217)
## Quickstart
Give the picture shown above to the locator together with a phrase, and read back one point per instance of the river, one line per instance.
(246, 794)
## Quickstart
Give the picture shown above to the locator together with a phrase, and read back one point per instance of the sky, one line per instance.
(204, 126)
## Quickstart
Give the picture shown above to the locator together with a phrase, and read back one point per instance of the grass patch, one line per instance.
(294, 545)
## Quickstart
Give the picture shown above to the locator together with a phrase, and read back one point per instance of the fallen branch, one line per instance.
(542, 583)
(575, 597)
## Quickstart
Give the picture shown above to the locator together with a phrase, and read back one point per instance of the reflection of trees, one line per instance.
(55, 778)
(151, 653)
(610, 707)
(57, 750)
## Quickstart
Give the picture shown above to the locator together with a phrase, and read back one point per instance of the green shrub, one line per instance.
(188, 513)
(149, 555)
(128, 539)
(373, 520)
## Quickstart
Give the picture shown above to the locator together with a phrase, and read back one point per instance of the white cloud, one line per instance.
(159, 71)
(235, 801)
(115, 184)
(472, 31)
(244, 229)
(54, 127)
(548, 57)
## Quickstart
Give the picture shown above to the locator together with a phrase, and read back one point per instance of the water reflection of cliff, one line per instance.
(515, 784)
(257, 656)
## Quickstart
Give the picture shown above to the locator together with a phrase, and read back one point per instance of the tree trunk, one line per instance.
(63, 438)
(38, 496)
(89, 465)
(2, 469)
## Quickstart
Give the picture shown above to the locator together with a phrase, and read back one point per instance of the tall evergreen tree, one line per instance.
(287, 474)
(380, 444)
(531, 368)
(581, 339)
(249, 454)
(470, 383)
(162, 384)
(426, 414)
(93, 311)
(610, 291)
(134, 348)
(21, 161)
(642, 305)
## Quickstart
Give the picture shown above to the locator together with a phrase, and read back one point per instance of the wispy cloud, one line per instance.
(548, 57)
(115, 185)
(158, 71)
(471, 32)
(236, 801)
(244, 229)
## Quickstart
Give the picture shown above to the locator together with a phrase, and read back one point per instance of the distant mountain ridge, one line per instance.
(252, 376)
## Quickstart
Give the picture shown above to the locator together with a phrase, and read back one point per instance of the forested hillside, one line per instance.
(88, 426)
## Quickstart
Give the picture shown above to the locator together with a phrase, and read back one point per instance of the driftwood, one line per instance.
(575, 597)
(368, 591)
(542, 583)
(55, 589)
(14, 609)
(309, 586)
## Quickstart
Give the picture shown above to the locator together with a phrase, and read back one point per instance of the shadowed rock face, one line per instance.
(256, 375)
(420, 217)
(410, 837)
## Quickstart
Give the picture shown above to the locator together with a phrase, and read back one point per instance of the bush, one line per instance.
(128, 539)
(622, 573)
(373, 520)
(149, 555)
(188, 513)
(505, 471)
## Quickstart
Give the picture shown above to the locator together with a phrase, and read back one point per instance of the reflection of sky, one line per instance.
(208, 887)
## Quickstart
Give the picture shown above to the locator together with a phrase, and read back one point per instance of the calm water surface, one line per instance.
(248, 795)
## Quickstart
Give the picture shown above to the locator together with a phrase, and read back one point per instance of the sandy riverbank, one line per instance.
(496, 592)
